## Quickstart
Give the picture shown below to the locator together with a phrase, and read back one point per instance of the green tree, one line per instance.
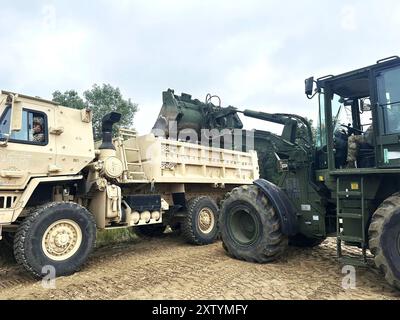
(69, 99)
(313, 128)
(101, 100)
(104, 99)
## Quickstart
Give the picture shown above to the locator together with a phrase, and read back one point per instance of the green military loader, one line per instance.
(340, 180)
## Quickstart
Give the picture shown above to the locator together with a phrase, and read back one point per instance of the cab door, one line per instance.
(28, 153)
(388, 111)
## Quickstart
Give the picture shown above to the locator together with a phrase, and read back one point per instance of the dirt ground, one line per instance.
(167, 268)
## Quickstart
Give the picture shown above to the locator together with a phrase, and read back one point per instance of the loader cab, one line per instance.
(359, 118)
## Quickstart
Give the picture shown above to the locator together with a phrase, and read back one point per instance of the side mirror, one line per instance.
(4, 139)
(309, 86)
(16, 115)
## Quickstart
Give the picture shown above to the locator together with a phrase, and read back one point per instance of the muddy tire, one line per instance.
(302, 241)
(200, 225)
(150, 231)
(384, 239)
(250, 227)
(59, 234)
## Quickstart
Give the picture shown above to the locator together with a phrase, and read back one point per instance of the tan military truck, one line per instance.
(57, 188)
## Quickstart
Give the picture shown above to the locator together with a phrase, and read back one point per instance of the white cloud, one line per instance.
(250, 79)
(395, 15)
(252, 53)
(44, 52)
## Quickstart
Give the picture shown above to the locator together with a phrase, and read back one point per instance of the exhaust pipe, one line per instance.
(106, 128)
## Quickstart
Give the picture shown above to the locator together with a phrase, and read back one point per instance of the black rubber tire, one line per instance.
(8, 238)
(190, 228)
(28, 240)
(7, 246)
(268, 242)
(384, 239)
(150, 231)
(301, 241)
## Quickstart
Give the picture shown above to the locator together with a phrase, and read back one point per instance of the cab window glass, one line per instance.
(365, 113)
(22, 135)
(340, 112)
(389, 99)
(33, 127)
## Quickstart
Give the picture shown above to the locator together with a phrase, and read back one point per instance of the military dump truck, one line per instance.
(341, 179)
(57, 187)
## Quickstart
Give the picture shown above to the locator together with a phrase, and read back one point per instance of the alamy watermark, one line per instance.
(349, 280)
(231, 139)
(49, 278)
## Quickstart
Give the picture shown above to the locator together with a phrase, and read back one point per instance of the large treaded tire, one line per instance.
(28, 249)
(191, 226)
(7, 246)
(384, 239)
(245, 209)
(302, 241)
(8, 239)
(150, 231)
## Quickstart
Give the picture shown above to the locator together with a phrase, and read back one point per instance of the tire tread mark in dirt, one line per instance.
(169, 269)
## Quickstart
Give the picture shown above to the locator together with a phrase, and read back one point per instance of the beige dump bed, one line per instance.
(151, 159)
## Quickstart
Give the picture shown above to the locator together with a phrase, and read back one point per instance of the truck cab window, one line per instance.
(389, 99)
(353, 132)
(33, 129)
(341, 115)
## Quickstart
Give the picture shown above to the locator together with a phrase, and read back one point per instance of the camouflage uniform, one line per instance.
(353, 146)
(38, 136)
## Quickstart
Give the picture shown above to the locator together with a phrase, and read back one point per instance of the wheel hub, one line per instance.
(62, 240)
(243, 226)
(206, 220)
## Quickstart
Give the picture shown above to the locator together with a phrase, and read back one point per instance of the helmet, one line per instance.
(38, 120)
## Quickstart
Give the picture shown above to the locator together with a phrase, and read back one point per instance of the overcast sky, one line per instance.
(254, 54)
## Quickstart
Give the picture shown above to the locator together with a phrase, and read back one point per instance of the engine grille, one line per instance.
(7, 202)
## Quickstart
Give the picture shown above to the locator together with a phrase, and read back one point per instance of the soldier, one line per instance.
(38, 132)
(354, 144)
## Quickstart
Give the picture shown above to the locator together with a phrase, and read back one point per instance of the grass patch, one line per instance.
(107, 237)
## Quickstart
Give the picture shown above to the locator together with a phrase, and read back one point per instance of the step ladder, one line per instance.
(135, 169)
(362, 241)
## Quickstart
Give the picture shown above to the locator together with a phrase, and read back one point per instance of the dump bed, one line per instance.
(150, 159)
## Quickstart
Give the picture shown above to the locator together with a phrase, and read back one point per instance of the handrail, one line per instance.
(388, 59)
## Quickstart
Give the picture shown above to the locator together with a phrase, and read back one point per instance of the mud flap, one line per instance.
(282, 204)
